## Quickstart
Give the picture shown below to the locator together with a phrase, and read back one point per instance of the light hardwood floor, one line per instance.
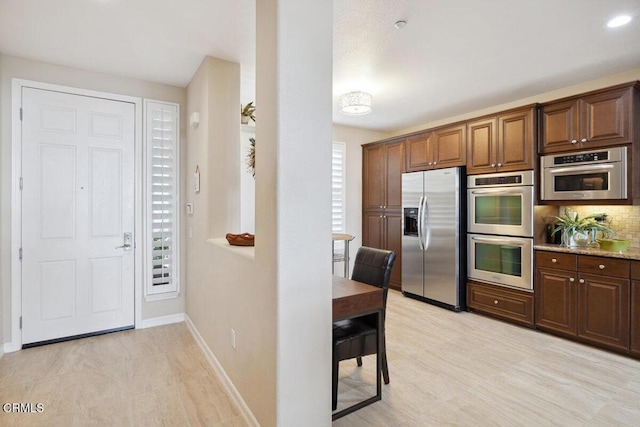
(145, 377)
(454, 369)
(463, 369)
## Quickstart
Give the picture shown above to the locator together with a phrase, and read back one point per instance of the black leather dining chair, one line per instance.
(354, 338)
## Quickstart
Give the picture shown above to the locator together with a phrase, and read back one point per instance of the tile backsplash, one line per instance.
(625, 220)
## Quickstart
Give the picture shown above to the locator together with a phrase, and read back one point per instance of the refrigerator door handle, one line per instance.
(425, 221)
(420, 231)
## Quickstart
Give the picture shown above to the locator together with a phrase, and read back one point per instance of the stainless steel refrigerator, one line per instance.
(433, 249)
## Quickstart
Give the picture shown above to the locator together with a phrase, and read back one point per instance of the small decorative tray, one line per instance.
(244, 239)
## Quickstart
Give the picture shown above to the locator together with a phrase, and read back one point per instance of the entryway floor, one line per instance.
(144, 377)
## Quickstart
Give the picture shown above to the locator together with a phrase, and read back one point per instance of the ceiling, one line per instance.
(451, 58)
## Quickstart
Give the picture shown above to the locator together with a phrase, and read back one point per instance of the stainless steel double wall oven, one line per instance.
(500, 228)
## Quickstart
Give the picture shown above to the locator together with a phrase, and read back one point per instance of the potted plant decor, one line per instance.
(247, 112)
(578, 231)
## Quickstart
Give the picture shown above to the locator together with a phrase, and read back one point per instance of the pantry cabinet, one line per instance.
(584, 297)
(382, 200)
(596, 119)
(503, 143)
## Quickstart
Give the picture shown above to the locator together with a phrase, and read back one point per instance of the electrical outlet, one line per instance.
(233, 339)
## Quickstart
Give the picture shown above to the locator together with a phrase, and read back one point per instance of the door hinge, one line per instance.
(21, 183)
(20, 254)
(20, 322)
(20, 113)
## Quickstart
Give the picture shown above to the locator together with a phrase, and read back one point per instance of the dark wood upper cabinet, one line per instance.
(439, 148)
(504, 143)
(450, 146)
(393, 172)
(419, 152)
(382, 166)
(596, 119)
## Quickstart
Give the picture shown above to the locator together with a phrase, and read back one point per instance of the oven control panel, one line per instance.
(581, 158)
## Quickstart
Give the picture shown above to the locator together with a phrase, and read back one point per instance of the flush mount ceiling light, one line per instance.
(355, 103)
(618, 21)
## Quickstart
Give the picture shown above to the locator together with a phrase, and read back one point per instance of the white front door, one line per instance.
(77, 205)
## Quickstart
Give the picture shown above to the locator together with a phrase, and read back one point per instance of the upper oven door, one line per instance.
(505, 211)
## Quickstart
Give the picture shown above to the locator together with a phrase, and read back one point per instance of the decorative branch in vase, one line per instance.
(247, 112)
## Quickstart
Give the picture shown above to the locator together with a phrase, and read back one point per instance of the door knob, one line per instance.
(553, 260)
(572, 279)
(493, 165)
(574, 141)
(127, 239)
(581, 280)
(583, 140)
(499, 164)
(601, 266)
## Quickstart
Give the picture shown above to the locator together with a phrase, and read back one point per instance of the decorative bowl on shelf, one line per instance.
(615, 245)
(244, 239)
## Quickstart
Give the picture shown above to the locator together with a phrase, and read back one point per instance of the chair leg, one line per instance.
(359, 360)
(334, 384)
(385, 366)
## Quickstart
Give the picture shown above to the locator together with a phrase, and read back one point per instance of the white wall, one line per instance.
(625, 77)
(354, 138)
(13, 67)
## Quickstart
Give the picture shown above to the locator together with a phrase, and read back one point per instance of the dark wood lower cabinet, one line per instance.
(383, 230)
(598, 309)
(556, 298)
(634, 344)
(509, 304)
(603, 314)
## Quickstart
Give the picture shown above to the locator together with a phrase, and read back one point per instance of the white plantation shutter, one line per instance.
(338, 200)
(162, 144)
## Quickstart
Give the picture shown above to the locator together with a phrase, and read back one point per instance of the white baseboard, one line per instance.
(226, 381)
(161, 320)
(10, 347)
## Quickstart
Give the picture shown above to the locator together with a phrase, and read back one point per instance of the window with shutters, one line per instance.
(162, 208)
(338, 199)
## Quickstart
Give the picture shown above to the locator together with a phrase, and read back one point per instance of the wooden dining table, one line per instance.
(354, 299)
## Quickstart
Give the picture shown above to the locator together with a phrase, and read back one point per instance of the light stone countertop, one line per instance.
(629, 254)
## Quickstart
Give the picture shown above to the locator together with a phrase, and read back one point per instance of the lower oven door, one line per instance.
(501, 260)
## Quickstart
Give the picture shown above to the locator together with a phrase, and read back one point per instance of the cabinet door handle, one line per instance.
(553, 260)
(574, 141)
(435, 163)
(571, 279)
(493, 165)
(581, 280)
(430, 163)
(384, 207)
(601, 266)
(499, 164)
(583, 140)
(495, 301)
(380, 216)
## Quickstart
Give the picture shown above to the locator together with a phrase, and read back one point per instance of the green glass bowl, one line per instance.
(615, 245)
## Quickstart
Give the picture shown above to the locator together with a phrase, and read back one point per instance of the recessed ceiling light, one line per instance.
(400, 24)
(618, 21)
